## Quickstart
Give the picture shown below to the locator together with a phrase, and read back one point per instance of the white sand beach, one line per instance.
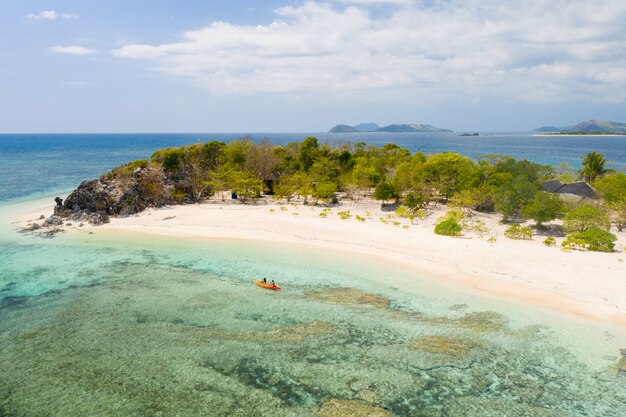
(588, 284)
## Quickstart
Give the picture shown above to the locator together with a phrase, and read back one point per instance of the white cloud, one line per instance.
(420, 50)
(71, 50)
(51, 15)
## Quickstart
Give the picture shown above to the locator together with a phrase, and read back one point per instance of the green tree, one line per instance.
(261, 159)
(364, 175)
(245, 184)
(414, 201)
(593, 166)
(612, 188)
(308, 153)
(324, 190)
(512, 196)
(585, 217)
(385, 191)
(449, 173)
(543, 207)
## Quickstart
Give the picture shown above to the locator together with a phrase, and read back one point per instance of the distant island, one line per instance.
(393, 128)
(589, 127)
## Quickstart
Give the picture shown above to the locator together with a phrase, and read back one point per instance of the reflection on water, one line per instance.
(149, 339)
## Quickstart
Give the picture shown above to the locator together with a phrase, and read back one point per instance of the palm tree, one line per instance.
(593, 166)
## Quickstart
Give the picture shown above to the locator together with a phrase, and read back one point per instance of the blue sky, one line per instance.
(303, 66)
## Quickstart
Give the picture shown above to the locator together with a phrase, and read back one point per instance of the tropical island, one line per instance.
(507, 227)
(393, 128)
(589, 127)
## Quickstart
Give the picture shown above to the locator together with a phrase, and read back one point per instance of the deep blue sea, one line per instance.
(39, 164)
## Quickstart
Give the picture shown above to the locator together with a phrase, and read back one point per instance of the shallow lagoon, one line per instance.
(119, 325)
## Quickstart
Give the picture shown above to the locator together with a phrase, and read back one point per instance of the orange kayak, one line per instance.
(267, 285)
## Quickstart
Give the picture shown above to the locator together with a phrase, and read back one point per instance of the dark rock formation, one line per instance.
(53, 220)
(119, 193)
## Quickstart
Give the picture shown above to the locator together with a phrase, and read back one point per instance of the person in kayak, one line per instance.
(264, 280)
(273, 283)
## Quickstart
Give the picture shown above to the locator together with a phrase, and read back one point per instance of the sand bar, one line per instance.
(588, 284)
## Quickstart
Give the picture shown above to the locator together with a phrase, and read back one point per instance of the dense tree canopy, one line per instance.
(319, 172)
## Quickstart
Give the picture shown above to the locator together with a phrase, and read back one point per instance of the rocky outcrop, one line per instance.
(119, 193)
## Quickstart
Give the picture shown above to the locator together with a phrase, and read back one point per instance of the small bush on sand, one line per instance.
(344, 214)
(585, 217)
(592, 239)
(550, 241)
(448, 227)
(515, 231)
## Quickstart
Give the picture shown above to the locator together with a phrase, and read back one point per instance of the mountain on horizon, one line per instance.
(366, 127)
(588, 126)
(393, 128)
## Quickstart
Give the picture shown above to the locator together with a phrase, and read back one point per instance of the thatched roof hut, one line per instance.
(579, 189)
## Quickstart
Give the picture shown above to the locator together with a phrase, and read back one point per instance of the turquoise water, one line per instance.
(110, 324)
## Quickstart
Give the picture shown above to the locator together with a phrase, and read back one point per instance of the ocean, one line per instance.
(38, 164)
(111, 324)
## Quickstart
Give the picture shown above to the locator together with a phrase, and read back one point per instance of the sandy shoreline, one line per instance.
(587, 284)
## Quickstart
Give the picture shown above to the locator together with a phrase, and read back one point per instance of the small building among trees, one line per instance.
(578, 189)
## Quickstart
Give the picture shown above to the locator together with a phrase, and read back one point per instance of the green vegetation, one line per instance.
(612, 188)
(385, 191)
(344, 215)
(448, 227)
(455, 215)
(517, 232)
(309, 171)
(592, 239)
(584, 217)
(543, 207)
(550, 241)
(593, 166)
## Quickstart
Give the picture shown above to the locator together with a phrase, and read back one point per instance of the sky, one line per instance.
(304, 66)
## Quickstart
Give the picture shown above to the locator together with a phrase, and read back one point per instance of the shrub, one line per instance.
(492, 239)
(448, 227)
(543, 207)
(515, 231)
(592, 239)
(550, 241)
(456, 215)
(385, 191)
(402, 211)
(585, 217)
(344, 214)
(359, 218)
(325, 190)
